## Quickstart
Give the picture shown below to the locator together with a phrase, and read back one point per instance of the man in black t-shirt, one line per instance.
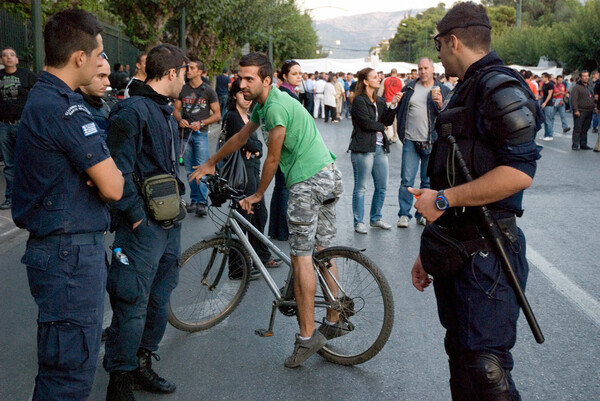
(193, 114)
(15, 84)
(548, 107)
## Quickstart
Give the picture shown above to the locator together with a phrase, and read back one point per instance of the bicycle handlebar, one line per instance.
(220, 190)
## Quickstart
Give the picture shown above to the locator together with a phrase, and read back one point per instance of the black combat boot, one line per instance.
(147, 379)
(120, 386)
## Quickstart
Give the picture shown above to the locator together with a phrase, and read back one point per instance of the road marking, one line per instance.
(552, 148)
(10, 231)
(589, 306)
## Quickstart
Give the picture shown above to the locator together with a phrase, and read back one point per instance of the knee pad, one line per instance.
(488, 378)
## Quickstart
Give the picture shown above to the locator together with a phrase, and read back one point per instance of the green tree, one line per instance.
(578, 41)
(502, 18)
(291, 32)
(523, 46)
(414, 36)
(145, 20)
(49, 7)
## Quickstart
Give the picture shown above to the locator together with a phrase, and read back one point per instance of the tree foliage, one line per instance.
(414, 36)
(145, 20)
(578, 41)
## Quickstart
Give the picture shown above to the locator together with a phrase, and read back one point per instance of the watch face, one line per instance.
(441, 203)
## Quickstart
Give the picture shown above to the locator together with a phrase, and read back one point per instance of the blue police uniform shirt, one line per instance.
(57, 141)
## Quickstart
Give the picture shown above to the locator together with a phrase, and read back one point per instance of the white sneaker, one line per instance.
(381, 224)
(360, 228)
(403, 221)
(547, 138)
(422, 221)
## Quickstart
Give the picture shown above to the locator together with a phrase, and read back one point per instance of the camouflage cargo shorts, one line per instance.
(311, 211)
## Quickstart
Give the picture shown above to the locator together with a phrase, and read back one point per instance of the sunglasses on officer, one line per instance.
(436, 38)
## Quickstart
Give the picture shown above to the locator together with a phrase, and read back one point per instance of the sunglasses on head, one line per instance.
(436, 38)
(186, 66)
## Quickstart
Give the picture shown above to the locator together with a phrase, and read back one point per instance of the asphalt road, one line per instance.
(229, 362)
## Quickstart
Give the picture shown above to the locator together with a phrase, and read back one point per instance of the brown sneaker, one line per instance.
(303, 349)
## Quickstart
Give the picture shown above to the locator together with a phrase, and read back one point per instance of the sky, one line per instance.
(325, 9)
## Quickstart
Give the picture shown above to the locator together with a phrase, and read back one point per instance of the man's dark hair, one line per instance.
(161, 59)
(559, 76)
(199, 63)
(138, 60)
(527, 74)
(8, 48)
(545, 75)
(260, 60)
(67, 32)
(116, 66)
(470, 23)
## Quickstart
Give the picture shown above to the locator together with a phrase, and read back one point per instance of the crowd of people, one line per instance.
(78, 163)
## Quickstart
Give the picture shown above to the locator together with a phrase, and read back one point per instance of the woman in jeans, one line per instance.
(370, 146)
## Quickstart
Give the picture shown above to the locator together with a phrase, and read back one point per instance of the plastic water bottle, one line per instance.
(121, 256)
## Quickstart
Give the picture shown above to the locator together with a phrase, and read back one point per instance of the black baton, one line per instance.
(496, 238)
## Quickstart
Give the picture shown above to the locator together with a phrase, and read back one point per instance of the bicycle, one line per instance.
(214, 276)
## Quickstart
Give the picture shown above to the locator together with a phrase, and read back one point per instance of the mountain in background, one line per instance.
(358, 33)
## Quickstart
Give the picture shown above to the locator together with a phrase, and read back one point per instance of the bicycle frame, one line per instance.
(233, 222)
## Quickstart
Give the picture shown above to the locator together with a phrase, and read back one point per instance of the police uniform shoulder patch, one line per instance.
(74, 109)
(89, 129)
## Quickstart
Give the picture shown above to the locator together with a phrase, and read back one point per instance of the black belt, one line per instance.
(92, 238)
(473, 236)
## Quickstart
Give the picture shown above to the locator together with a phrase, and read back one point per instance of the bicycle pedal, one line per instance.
(263, 333)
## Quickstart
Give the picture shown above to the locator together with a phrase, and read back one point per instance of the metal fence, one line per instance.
(16, 32)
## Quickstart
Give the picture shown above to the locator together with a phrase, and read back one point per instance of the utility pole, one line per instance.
(519, 9)
(38, 39)
(271, 45)
(182, 30)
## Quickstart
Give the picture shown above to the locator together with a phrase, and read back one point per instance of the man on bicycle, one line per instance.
(315, 185)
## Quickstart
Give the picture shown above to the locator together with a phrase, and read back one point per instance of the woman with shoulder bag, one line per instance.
(235, 120)
(369, 147)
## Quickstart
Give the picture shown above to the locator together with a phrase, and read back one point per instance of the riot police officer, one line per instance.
(494, 118)
(63, 178)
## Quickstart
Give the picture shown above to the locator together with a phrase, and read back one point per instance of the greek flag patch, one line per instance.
(89, 129)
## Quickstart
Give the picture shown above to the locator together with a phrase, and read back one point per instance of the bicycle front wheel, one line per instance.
(364, 301)
(213, 278)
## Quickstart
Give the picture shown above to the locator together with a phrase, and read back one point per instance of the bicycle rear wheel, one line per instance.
(365, 303)
(213, 278)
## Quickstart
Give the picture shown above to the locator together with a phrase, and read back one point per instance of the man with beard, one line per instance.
(142, 137)
(314, 185)
(494, 117)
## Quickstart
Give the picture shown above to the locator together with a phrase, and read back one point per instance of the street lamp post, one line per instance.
(404, 24)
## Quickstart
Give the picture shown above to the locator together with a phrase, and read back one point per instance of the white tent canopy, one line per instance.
(357, 64)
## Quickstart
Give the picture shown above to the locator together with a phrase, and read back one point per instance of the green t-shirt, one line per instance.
(303, 153)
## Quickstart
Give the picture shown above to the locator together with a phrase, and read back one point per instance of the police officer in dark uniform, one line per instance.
(63, 178)
(93, 97)
(494, 118)
(142, 137)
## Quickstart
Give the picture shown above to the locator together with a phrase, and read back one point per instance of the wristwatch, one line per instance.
(201, 124)
(441, 202)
